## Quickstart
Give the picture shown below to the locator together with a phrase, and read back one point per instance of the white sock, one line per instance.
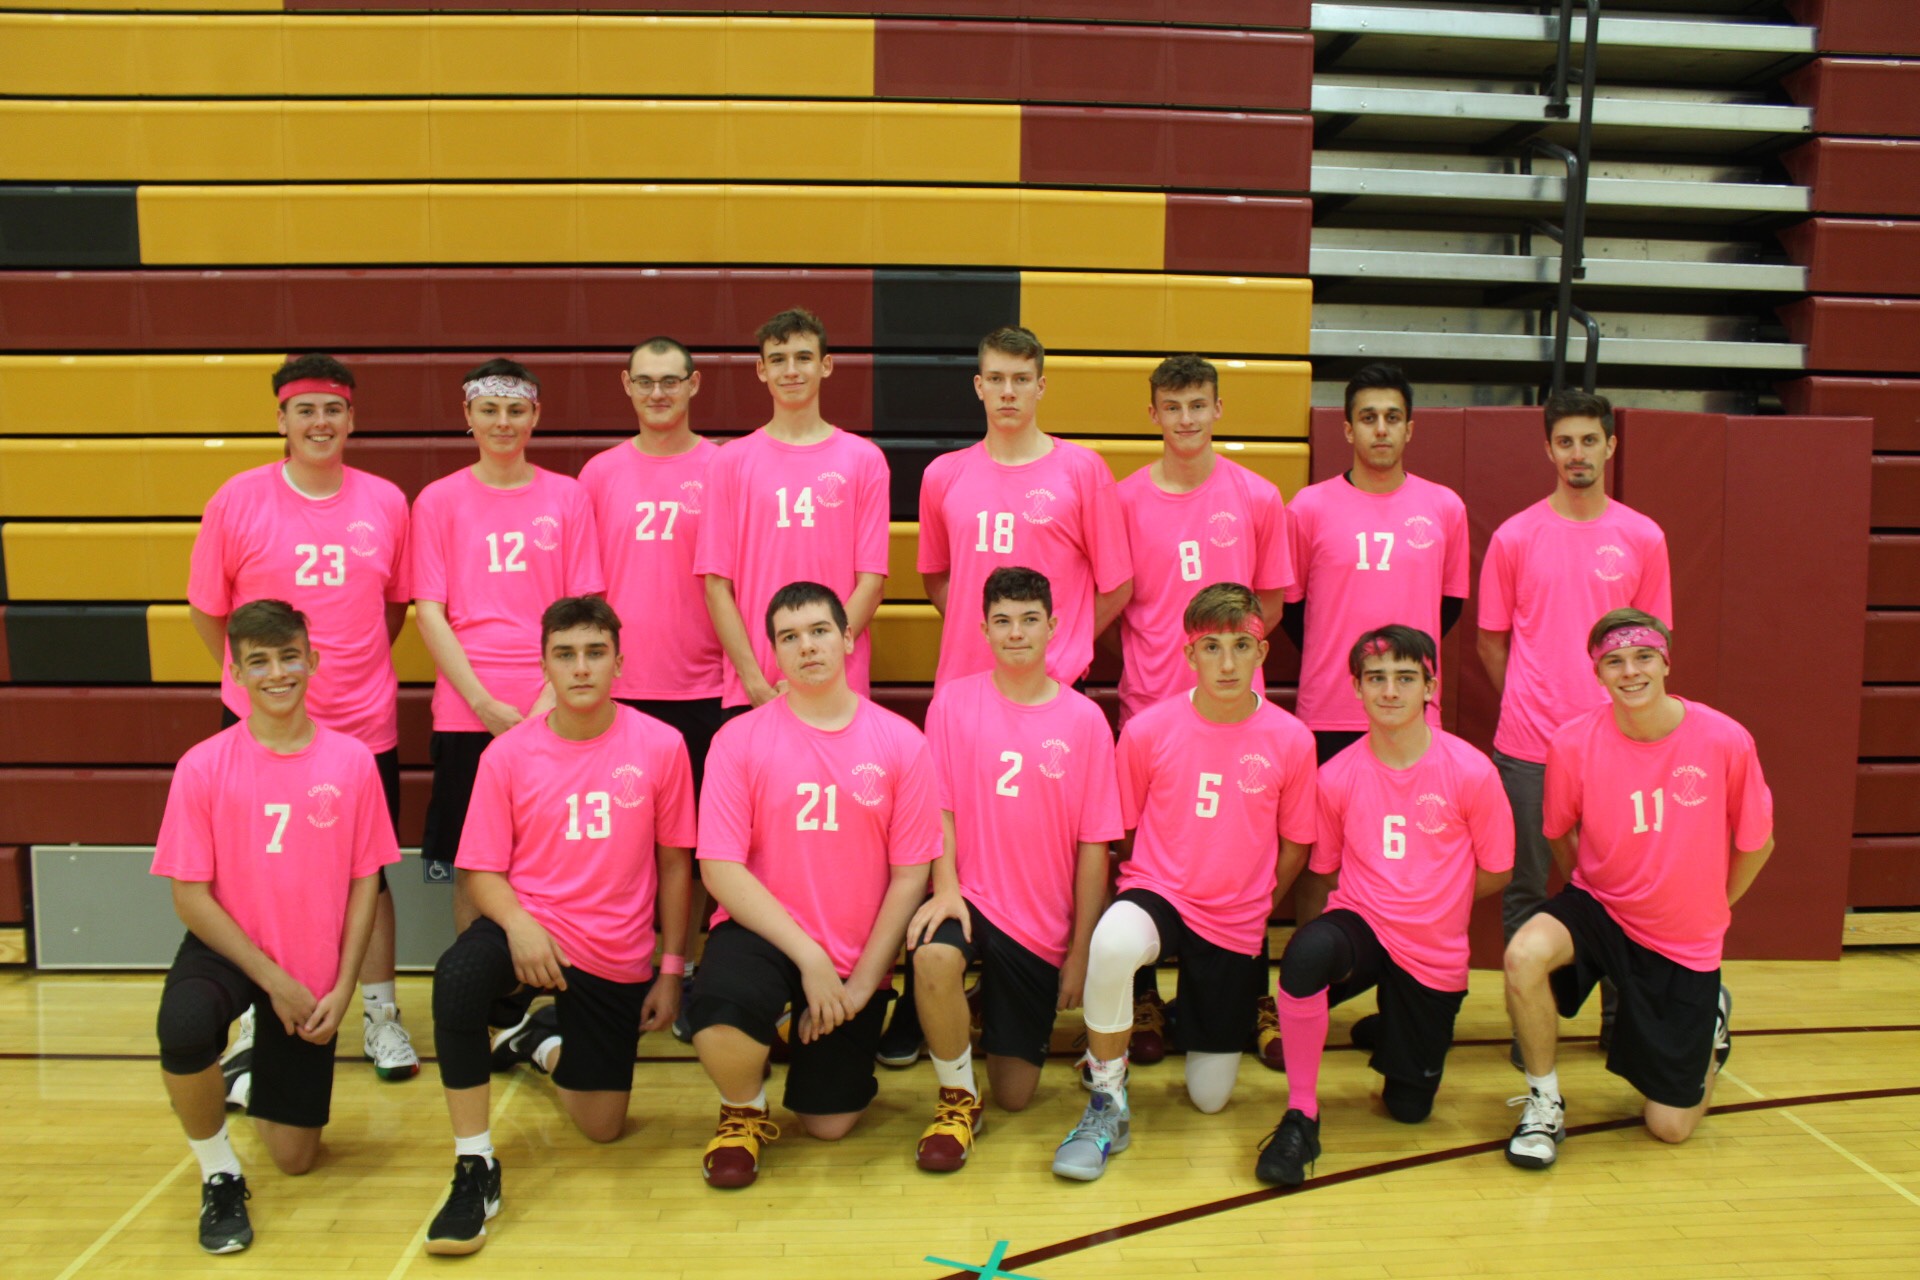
(1547, 1086)
(1110, 1078)
(480, 1144)
(215, 1154)
(375, 994)
(545, 1052)
(957, 1073)
(758, 1102)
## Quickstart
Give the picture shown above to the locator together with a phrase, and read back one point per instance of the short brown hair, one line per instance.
(1019, 584)
(1579, 404)
(1408, 644)
(797, 595)
(790, 323)
(264, 624)
(579, 611)
(660, 346)
(1176, 373)
(1224, 606)
(1626, 618)
(1013, 340)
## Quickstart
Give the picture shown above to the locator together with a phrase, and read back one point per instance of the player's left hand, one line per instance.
(1073, 980)
(933, 913)
(663, 1002)
(324, 1021)
(858, 991)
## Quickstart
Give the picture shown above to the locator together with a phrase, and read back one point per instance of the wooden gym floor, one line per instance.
(1810, 1169)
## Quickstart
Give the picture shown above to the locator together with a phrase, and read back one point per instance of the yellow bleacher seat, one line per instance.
(153, 395)
(178, 657)
(1284, 464)
(903, 547)
(135, 561)
(1229, 315)
(1109, 395)
(906, 643)
(122, 477)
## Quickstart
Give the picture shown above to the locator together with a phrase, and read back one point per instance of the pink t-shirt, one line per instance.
(1208, 804)
(1655, 820)
(1363, 560)
(575, 826)
(1546, 581)
(496, 558)
(1059, 514)
(1026, 786)
(821, 818)
(1233, 528)
(780, 513)
(1407, 843)
(281, 839)
(340, 560)
(648, 512)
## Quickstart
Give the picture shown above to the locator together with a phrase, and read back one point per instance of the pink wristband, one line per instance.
(672, 964)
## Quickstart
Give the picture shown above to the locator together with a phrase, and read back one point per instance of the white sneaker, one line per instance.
(242, 1036)
(1536, 1140)
(388, 1046)
(236, 1064)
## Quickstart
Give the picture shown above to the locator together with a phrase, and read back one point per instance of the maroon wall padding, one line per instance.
(1849, 255)
(1885, 872)
(1869, 335)
(103, 726)
(1894, 569)
(560, 308)
(1807, 728)
(1251, 235)
(1892, 403)
(1861, 26)
(1859, 175)
(1142, 66)
(13, 884)
(1285, 14)
(1890, 721)
(1168, 150)
(1893, 647)
(1862, 97)
(413, 463)
(1886, 799)
(1896, 493)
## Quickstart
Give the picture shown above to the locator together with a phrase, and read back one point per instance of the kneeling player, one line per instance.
(1217, 785)
(579, 837)
(1643, 798)
(1413, 827)
(274, 836)
(1024, 767)
(817, 824)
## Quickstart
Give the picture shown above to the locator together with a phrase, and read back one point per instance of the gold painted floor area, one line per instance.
(95, 1178)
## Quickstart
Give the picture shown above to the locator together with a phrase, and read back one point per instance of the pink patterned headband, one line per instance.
(1250, 624)
(1381, 647)
(316, 386)
(504, 387)
(1629, 637)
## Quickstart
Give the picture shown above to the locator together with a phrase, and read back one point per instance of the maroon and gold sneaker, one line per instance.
(958, 1118)
(733, 1157)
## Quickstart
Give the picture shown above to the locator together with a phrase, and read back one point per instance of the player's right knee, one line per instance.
(191, 1027)
(1311, 961)
(1125, 939)
(1407, 1103)
(1530, 952)
(466, 982)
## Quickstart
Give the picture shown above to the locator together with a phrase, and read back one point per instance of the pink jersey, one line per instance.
(496, 558)
(1026, 786)
(1208, 804)
(1233, 528)
(1546, 581)
(821, 818)
(341, 560)
(780, 513)
(1059, 514)
(1407, 844)
(1363, 560)
(281, 839)
(1655, 821)
(574, 827)
(648, 512)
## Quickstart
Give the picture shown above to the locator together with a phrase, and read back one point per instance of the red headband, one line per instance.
(1630, 637)
(1250, 624)
(316, 386)
(1381, 647)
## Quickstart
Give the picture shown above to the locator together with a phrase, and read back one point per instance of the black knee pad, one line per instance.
(192, 1026)
(1408, 1103)
(466, 982)
(1315, 957)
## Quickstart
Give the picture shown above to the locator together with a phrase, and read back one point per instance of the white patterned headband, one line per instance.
(502, 386)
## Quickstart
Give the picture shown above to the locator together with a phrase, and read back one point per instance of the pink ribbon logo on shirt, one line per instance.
(1687, 790)
(1036, 512)
(1222, 523)
(1609, 567)
(546, 533)
(831, 483)
(1254, 780)
(362, 535)
(1055, 765)
(1433, 814)
(691, 492)
(629, 776)
(1420, 536)
(868, 791)
(324, 793)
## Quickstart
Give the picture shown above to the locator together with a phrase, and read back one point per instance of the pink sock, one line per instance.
(1303, 1039)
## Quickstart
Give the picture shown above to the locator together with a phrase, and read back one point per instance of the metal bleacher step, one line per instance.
(1495, 336)
(1633, 47)
(1413, 257)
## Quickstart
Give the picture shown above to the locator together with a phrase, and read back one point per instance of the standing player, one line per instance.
(1644, 798)
(332, 540)
(1413, 828)
(275, 832)
(816, 828)
(579, 838)
(1217, 786)
(1024, 767)
(1193, 518)
(798, 500)
(1371, 547)
(493, 545)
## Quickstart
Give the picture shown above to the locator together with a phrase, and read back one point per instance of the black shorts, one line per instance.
(1663, 1033)
(1416, 1021)
(599, 1018)
(746, 981)
(456, 763)
(1219, 989)
(1328, 743)
(1019, 991)
(697, 719)
(292, 1078)
(387, 762)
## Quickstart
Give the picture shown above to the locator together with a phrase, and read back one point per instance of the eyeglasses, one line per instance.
(645, 386)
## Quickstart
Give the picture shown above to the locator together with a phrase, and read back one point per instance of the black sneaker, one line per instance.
(516, 1044)
(683, 1022)
(461, 1225)
(1366, 1033)
(1288, 1150)
(901, 1043)
(224, 1227)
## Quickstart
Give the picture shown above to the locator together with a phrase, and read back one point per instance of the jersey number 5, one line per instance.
(1208, 802)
